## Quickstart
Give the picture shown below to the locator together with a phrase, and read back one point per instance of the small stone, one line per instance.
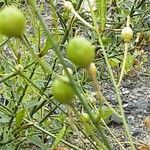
(141, 104)
(137, 131)
(131, 120)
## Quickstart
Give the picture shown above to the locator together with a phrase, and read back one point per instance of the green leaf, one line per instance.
(6, 147)
(47, 46)
(58, 139)
(114, 62)
(106, 113)
(38, 142)
(31, 104)
(106, 40)
(19, 117)
(4, 118)
(32, 3)
(129, 62)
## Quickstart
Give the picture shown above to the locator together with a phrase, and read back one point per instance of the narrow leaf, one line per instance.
(47, 46)
(19, 117)
(58, 139)
(38, 142)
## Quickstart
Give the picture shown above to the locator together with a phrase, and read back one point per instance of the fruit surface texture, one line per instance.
(80, 52)
(62, 90)
(12, 22)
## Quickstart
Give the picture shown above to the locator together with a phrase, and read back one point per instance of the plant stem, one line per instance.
(45, 66)
(47, 115)
(9, 76)
(89, 129)
(50, 134)
(7, 109)
(21, 98)
(41, 92)
(33, 111)
(124, 63)
(117, 94)
(112, 134)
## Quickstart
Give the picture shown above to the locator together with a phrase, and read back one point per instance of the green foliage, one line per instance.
(38, 142)
(19, 117)
(58, 139)
(29, 115)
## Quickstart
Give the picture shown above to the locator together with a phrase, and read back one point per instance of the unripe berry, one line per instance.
(127, 34)
(80, 51)
(62, 90)
(12, 22)
(85, 117)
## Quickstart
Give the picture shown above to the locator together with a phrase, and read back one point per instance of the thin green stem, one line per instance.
(117, 94)
(9, 76)
(89, 130)
(21, 98)
(44, 88)
(70, 25)
(7, 109)
(113, 135)
(45, 66)
(47, 115)
(3, 43)
(124, 63)
(41, 92)
(50, 134)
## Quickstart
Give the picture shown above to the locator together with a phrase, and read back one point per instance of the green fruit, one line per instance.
(85, 117)
(12, 22)
(62, 90)
(80, 52)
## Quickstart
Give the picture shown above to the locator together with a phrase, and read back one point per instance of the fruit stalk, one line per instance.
(126, 35)
(118, 95)
(124, 63)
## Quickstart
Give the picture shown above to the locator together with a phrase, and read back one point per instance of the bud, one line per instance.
(68, 5)
(19, 67)
(127, 34)
(69, 70)
(85, 117)
(92, 70)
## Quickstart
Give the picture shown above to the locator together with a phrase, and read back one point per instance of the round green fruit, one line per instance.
(62, 90)
(12, 22)
(85, 117)
(80, 52)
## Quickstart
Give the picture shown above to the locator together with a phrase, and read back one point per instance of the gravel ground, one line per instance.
(136, 103)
